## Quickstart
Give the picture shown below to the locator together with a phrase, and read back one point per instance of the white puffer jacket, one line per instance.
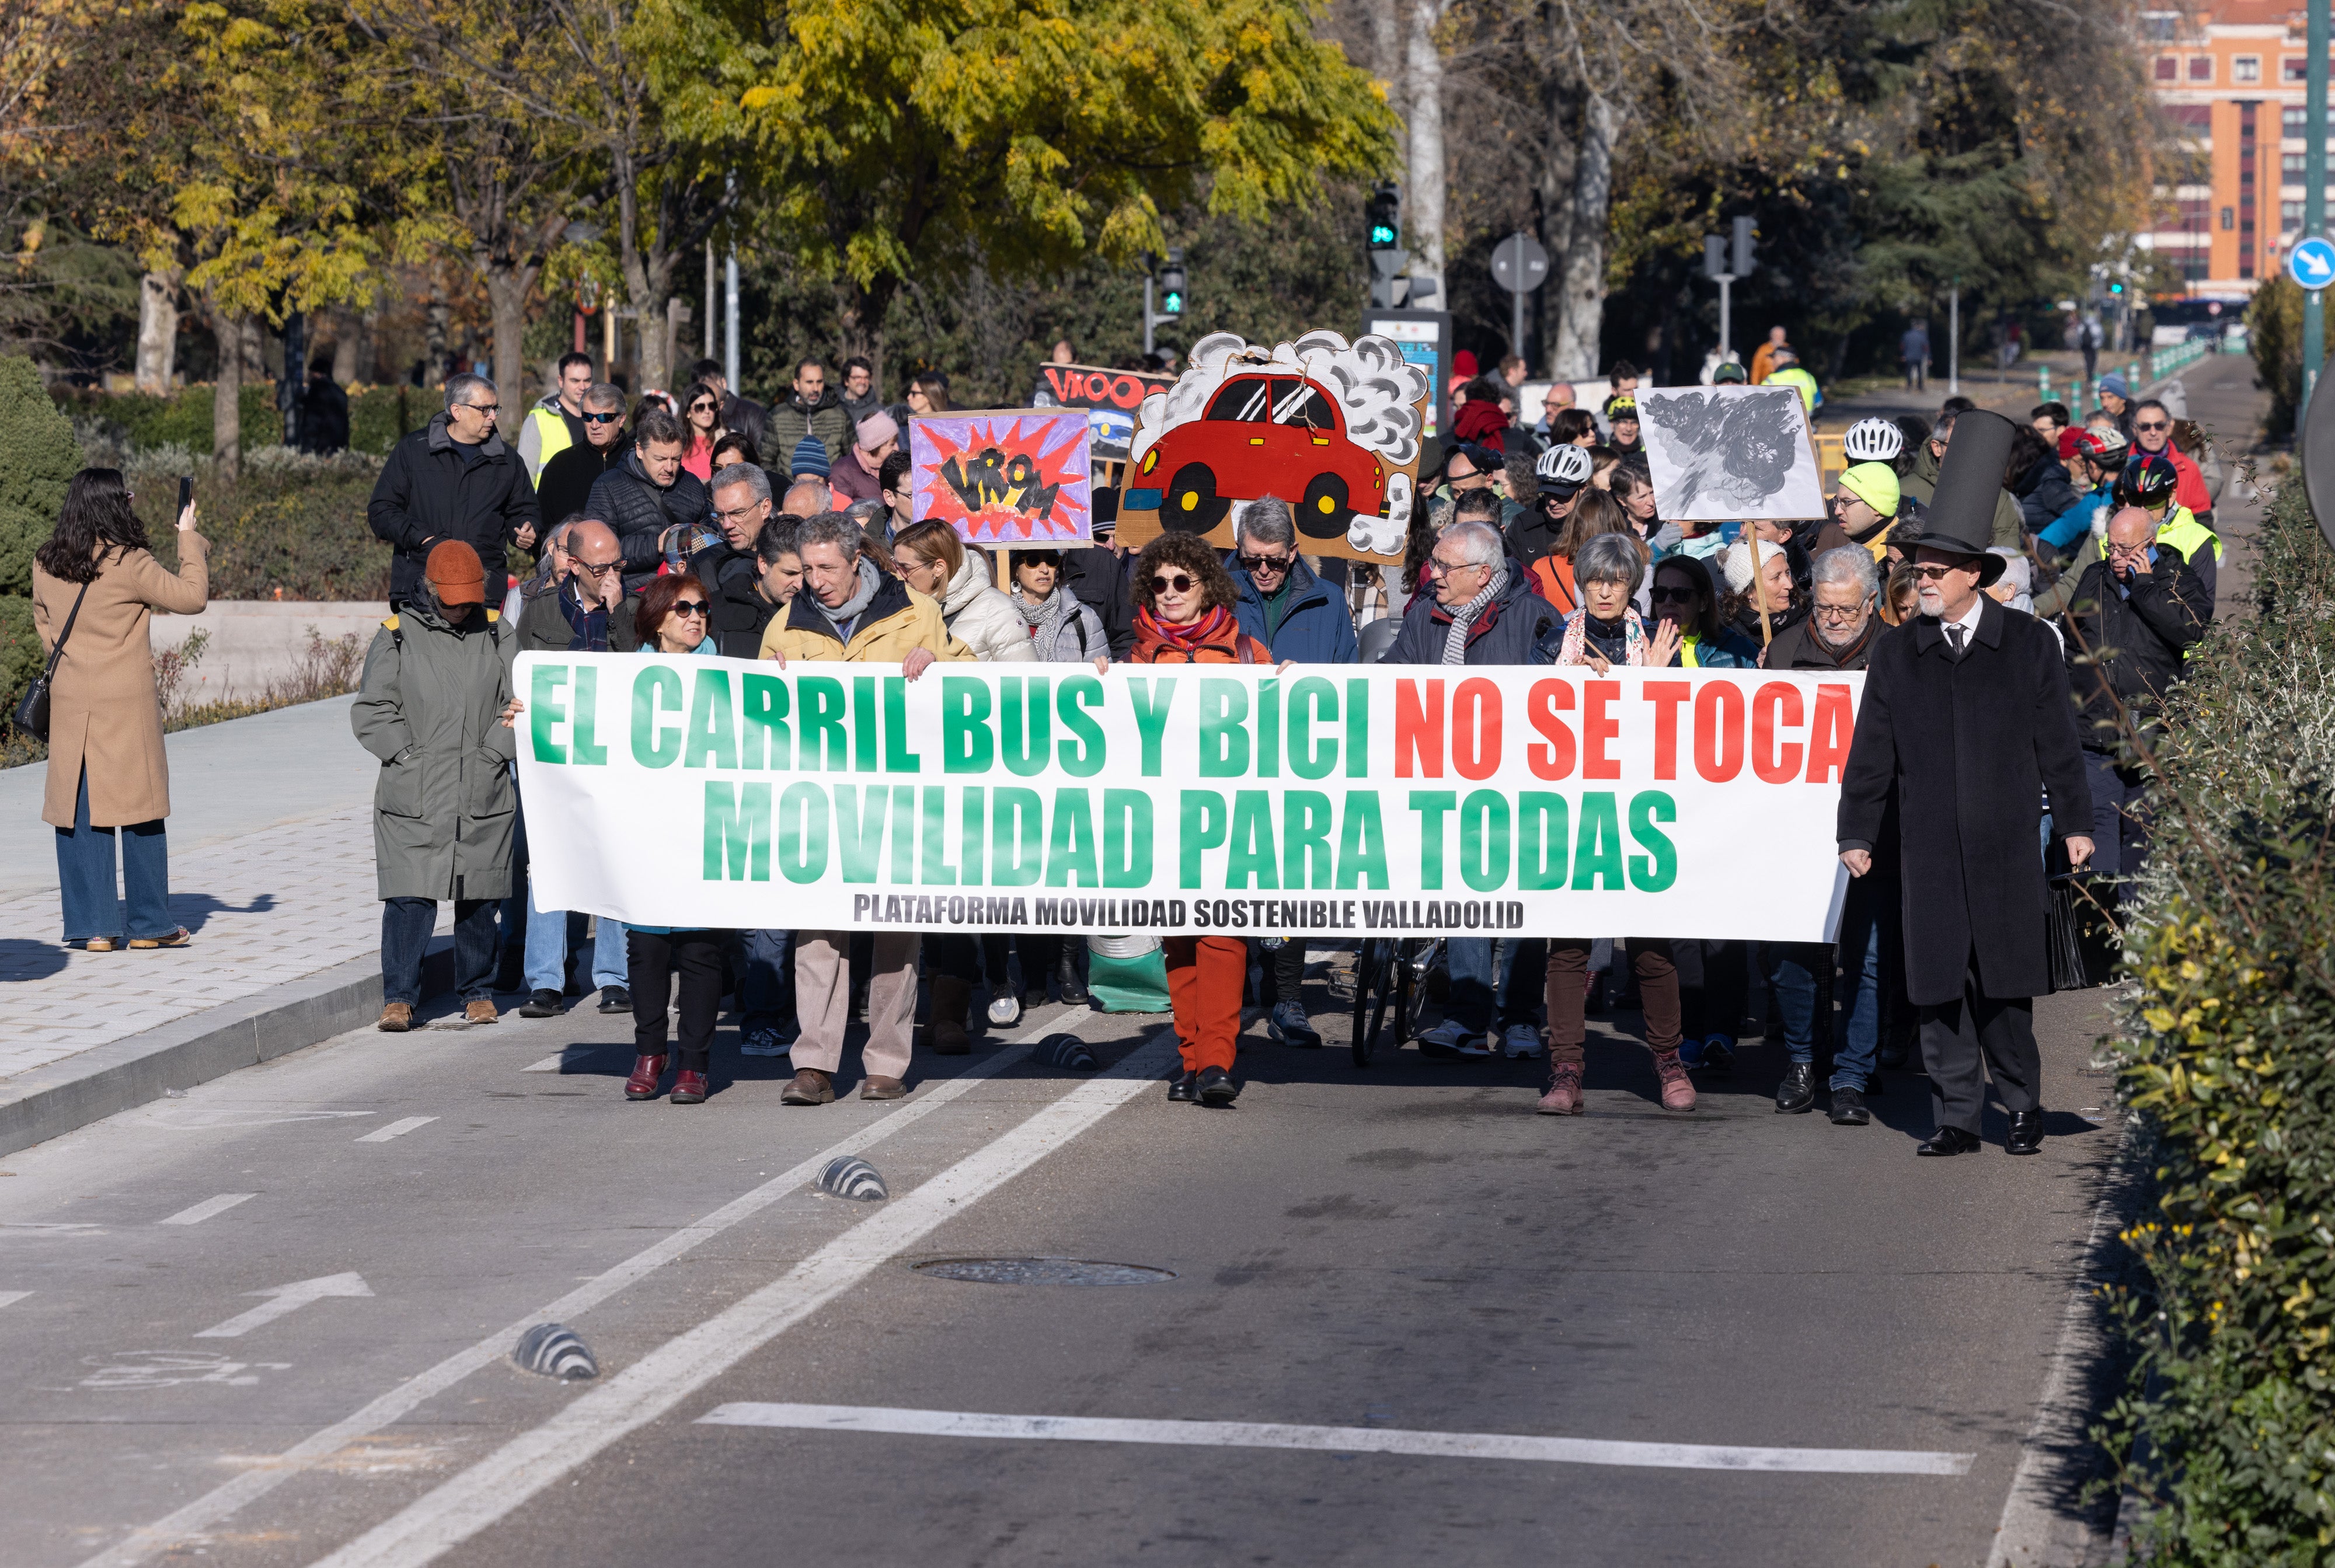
(982, 618)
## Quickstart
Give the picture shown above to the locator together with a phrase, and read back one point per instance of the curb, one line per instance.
(94, 1084)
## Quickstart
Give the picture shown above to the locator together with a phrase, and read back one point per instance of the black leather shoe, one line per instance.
(1848, 1108)
(1066, 979)
(2026, 1133)
(615, 999)
(1216, 1087)
(1949, 1141)
(541, 1004)
(1798, 1092)
(1186, 1089)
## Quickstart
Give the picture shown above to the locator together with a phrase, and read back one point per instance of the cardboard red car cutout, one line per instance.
(1329, 427)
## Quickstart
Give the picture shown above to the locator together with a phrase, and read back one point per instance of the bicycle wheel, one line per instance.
(1416, 966)
(1373, 973)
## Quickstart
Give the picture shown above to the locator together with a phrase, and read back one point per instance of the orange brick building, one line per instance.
(2230, 76)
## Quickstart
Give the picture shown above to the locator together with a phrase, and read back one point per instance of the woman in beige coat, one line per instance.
(107, 768)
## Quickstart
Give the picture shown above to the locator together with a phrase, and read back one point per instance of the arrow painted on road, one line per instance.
(286, 1299)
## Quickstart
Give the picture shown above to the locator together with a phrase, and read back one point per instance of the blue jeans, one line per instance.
(766, 979)
(1496, 980)
(85, 878)
(1793, 968)
(551, 932)
(405, 927)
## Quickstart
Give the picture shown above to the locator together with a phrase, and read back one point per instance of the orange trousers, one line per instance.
(1206, 976)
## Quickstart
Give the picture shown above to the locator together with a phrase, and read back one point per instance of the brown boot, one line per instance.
(874, 1086)
(482, 1011)
(1564, 1095)
(810, 1087)
(952, 1005)
(1678, 1090)
(396, 1018)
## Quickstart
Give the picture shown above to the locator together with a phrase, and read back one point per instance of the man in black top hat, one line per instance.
(1967, 713)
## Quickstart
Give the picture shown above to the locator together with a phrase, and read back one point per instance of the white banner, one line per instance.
(1327, 801)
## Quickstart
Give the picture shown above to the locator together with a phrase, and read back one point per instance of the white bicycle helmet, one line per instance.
(1873, 440)
(1563, 468)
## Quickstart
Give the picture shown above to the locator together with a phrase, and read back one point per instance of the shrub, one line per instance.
(182, 418)
(38, 459)
(294, 523)
(2274, 337)
(2227, 1056)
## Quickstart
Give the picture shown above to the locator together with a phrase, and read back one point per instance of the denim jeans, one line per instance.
(1794, 969)
(765, 961)
(85, 878)
(552, 933)
(2119, 824)
(405, 927)
(1496, 980)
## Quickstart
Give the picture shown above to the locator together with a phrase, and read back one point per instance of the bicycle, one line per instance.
(1391, 970)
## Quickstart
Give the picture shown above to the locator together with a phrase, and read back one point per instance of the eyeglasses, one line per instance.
(597, 567)
(592, 419)
(488, 409)
(1840, 612)
(2152, 427)
(689, 608)
(1436, 568)
(1176, 583)
(1254, 564)
(1934, 574)
(737, 514)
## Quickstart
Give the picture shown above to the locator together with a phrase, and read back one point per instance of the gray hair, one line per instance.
(1848, 564)
(1609, 558)
(1480, 542)
(461, 388)
(602, 395)
(2017, 569)
(1268, 520)
(749, 475)
(813, 485)
(831, 528)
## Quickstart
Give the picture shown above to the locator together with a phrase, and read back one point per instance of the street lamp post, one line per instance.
(2314, 195)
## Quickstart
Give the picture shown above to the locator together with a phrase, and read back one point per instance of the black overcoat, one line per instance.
(1971, 746)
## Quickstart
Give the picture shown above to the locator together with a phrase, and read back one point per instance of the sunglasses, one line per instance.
(597, 567)
(1934, 574)
(1254, 563)
(1674, 596)
(592, 419)
(689, 608)
(2152, 427)
(702, 404)
(1176, 583)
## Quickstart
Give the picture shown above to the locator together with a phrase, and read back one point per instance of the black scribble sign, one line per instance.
(1728, 454)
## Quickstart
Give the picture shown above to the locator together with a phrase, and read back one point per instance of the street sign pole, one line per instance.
(1726, 316)
(1954, 341)
(1520, 263)
(2314, 197)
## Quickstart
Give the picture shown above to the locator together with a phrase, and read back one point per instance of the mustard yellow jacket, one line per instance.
(896, 620)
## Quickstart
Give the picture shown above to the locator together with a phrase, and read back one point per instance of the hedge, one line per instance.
(2227, 1060)
(38, 458)
(377, 416)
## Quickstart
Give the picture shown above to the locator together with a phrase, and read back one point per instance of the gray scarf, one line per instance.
(1455, 640)
(852, 608)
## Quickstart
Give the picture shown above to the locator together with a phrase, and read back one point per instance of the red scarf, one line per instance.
(1186, 638)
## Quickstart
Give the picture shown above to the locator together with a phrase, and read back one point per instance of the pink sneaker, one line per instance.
(1564, 1095)
(1678, 1090)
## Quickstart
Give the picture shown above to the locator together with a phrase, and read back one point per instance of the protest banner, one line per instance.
(1110, 398)
(1004, 477)
(1332, 428)
(1329, 800)
(1723, 454)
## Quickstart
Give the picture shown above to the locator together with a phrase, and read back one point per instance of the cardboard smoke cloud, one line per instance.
(1332, 428)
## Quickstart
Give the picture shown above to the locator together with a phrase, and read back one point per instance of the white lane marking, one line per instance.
(2036, 1526)
(396, 1129)
(1341, 1440)
(574, 1053)
(227, 1119)
(10, 1298)
(284, 1300)
(206, 1208)
(224, 1501)
(647, 1389)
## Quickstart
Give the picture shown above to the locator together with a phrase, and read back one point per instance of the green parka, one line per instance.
(430, 708)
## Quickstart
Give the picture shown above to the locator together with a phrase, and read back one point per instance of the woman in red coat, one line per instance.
(1184, 615)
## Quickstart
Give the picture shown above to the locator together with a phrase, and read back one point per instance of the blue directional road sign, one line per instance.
(2312, 263)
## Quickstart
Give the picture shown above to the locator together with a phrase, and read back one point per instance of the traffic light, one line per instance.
(1714, 255)
(2115, 289)
(1382, 217)
(1171, 285)
(1744, 247)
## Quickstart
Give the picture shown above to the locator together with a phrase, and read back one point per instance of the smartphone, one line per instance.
(186, 496)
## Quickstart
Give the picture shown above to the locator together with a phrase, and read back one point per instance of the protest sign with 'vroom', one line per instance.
(726, 793)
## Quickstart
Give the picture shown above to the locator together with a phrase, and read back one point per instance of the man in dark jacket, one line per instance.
(1283, 606)
(565, 483)
(323, 410)
(1483, 611)
(455, 479)
(2131, 620)
(813, 408)
(731, 570)
(1096, 578)
(649, 496)
(1967, 713)
(1839, 635)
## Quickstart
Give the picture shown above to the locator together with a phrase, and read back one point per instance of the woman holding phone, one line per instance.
(96, 586)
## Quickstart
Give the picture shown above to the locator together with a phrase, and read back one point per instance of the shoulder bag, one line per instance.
(33, 707)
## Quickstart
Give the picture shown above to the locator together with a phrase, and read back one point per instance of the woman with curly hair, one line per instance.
(1184, 604)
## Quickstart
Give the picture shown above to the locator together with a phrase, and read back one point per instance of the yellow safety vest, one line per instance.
(1793, 375)
(2185, 534)
(551, 436)
(1686, 654)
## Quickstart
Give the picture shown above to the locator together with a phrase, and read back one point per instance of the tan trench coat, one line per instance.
(103, 710)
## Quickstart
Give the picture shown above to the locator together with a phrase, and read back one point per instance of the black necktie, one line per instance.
(1954, 636)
